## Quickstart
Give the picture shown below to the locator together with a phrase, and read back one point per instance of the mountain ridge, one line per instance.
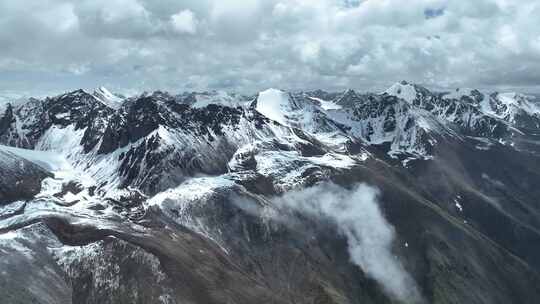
(243, 198)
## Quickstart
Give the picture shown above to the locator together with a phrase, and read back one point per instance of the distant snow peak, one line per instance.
(518, 100)
(13, 99)
(459, 93)
(403, 90)
(104, 91)
(215, 97)
(325, 104)
(105, 96)
(509, 106)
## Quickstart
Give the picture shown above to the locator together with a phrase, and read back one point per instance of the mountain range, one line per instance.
(404, 196)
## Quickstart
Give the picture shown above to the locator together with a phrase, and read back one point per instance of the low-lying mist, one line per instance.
(358, 217)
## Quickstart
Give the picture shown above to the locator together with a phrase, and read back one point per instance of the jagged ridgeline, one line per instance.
(404, 196)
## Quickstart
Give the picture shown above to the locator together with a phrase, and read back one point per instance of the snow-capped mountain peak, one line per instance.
(275, 105)
(12, 99)
(203, 99)
(298, 110)
(348, 98)
(403, 90)
(517, 109)
(518, 100)
(110, 99)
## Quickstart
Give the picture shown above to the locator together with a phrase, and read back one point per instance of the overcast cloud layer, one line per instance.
(248, 45)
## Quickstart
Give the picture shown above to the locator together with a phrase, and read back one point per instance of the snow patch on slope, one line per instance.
(15, 240)
(289, 169)
(49, 161)
(177, 203)
(191, 191)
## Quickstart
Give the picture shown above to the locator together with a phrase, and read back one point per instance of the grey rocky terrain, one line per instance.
(404, 196)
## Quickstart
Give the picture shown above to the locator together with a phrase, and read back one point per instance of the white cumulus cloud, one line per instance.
(184, 22)
(250, 45)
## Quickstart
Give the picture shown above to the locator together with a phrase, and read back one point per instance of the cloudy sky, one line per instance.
(247, 45)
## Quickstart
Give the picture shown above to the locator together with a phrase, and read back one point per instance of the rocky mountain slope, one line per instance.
(404, 196)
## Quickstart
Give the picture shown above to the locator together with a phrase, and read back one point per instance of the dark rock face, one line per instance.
(173, 199)
(7, 119)
(29, 273)
(32, 119)
(350, 98)
(21, 179)
(128, 263)
(143, 116)
(444, 244)
(500, 205)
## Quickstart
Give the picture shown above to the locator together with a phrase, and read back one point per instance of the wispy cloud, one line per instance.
(358, 217)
